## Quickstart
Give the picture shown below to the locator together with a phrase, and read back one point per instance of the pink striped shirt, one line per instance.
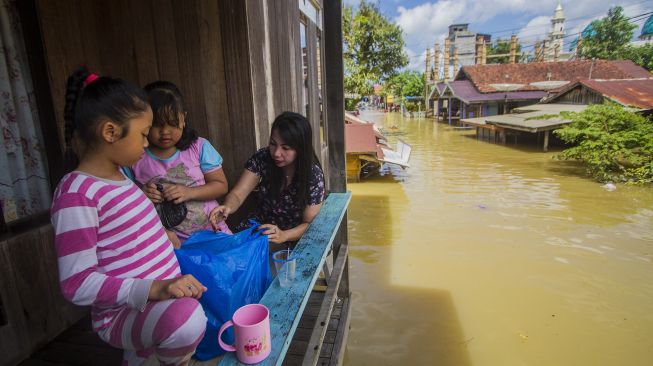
(110, 245)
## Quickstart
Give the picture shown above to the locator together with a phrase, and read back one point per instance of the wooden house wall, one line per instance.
(579, 95)
(34, 309)
(142, 41)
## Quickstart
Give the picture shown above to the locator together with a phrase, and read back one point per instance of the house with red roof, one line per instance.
(494, 89)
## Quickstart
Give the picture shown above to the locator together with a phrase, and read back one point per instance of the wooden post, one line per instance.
(455, 62)
(546, 140)
(335, 101)
(513, 48)
(445, 62)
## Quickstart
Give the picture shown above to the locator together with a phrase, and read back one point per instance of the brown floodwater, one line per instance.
(483, 254)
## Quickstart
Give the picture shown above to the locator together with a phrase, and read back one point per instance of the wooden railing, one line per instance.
(286, 304)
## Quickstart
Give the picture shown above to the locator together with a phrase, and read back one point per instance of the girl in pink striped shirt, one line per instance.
(113, 253)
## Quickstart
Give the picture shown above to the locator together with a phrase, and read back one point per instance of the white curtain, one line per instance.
(24, 186)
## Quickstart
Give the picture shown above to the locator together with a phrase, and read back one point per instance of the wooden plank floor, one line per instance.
(297, 348)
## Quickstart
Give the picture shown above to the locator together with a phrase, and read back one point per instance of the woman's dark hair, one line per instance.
(91, 100)
(295, 131)
(167, 104)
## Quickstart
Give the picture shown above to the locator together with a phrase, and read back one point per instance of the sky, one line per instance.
(425, 22)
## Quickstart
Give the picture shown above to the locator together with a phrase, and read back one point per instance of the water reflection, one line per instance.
(521, 258)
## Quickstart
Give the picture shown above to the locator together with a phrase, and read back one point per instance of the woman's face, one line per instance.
(282, 154)
(167, 135)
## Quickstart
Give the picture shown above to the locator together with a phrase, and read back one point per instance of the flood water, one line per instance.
(483, 254)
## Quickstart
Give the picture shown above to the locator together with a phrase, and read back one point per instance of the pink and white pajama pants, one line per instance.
(170, 329)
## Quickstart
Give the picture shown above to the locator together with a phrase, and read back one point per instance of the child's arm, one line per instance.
(184, 286)
(216, 186)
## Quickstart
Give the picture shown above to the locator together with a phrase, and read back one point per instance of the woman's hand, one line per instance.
(219, 214)
(152, 193)
(275, 235)
(176, 288)
(177, 193)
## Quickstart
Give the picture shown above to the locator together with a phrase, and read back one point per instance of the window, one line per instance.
(25, 182)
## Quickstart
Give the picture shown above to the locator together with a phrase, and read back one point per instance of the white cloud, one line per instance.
(427, 23)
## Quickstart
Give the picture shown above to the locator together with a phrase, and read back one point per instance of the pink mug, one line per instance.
(252, 328)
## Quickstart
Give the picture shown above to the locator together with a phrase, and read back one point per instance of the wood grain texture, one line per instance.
(316, 340)
(286, 304)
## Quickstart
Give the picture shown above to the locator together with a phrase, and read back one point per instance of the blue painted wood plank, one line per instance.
(287, 304)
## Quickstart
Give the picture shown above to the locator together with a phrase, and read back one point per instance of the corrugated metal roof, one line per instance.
(484, 75)
(528, 121)
(359, 138)
(465, 90)
(632, 93)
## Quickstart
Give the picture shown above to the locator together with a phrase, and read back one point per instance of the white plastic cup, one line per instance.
(285, 264)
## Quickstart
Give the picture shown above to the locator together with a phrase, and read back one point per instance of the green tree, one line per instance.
(615, 144)
(405, 84)
(641, 55)
(609, 37)
(373, 48)
(501, 47)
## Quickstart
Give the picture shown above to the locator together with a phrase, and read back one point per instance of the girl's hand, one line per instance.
(176, 288)
(275, 235)
(177, 193)
(152, 193)
(174, 239)
(219, 214)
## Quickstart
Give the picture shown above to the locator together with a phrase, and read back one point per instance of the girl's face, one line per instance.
(282, 154)
(128, 149)
(166, 135)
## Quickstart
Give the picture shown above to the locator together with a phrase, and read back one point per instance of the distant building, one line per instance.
(464, 41)
(646, 36)
(647, 30)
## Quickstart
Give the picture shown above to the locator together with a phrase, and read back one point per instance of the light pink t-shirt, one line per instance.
(185, 167)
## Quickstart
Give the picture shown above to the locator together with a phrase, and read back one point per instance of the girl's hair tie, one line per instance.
(89, 79)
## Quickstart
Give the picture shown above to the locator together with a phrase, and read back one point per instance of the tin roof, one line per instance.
(529, 121)
(636, 93)
(465, 91)
(359, 138)
(484, 75)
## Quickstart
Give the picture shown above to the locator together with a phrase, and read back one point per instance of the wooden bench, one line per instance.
(287, 304)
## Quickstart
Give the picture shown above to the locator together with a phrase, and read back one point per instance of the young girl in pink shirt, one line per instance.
(178, 165)
(113, 253)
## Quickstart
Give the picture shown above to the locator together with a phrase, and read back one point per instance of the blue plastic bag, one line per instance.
(236, 271)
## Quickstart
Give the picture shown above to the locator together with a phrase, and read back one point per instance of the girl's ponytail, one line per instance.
(74, 88)
(90, 100)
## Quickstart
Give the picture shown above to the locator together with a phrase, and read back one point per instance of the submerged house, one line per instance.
(239, 64)
(542, 118)
(495, 89)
